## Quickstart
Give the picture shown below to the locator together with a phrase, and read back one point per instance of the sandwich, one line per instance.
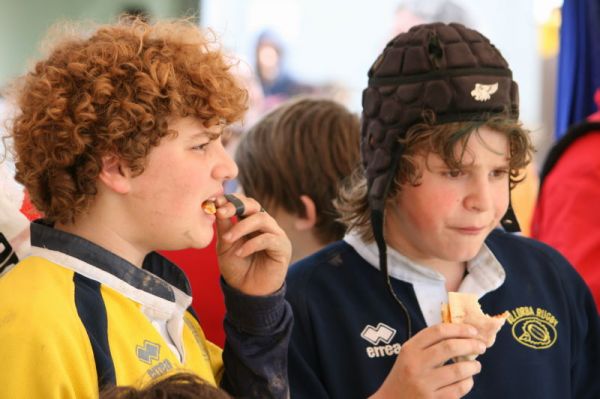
(464, 308)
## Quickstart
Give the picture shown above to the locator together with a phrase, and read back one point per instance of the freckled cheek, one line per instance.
(446, 202)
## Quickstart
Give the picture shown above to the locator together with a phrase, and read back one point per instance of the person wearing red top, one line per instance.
(567, 215)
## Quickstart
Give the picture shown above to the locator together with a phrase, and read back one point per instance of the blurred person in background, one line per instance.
(415, 12)
(14, 226)
(293, 161)
(567, 214)
(276, 81)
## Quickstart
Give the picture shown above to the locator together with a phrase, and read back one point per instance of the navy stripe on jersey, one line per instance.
(92, 312)
(7, 255)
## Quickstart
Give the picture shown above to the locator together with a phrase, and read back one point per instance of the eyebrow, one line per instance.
(210, 135)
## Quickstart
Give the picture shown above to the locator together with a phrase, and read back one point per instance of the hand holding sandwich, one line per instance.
(422, 370)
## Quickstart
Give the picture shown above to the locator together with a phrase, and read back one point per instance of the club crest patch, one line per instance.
(533, 327)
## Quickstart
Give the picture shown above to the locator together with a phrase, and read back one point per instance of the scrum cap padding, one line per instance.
(448, 69)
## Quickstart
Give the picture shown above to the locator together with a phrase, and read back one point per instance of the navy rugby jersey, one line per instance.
(348, 329)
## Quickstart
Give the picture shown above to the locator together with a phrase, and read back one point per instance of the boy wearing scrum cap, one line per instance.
(441, 148)
(118, 141)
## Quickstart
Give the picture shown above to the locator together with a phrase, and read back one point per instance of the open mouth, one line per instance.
(209, 207)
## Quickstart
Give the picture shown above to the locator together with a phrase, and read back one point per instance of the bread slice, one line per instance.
(464, 308)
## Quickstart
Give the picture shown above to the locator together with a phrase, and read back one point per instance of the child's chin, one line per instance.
(195, 241)
(467, 253)
(202, 243)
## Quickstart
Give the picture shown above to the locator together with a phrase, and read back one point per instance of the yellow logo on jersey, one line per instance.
(533, 327)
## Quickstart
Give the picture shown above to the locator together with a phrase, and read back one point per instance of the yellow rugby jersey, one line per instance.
(71, 323)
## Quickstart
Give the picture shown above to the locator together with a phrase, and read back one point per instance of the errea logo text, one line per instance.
(380, 334)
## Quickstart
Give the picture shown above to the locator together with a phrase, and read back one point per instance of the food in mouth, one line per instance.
(209, 207)
(464, 308)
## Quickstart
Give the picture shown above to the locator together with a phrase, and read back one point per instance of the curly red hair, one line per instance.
(112, 93)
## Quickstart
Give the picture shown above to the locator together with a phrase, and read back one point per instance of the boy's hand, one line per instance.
(420, 370)
(254, 253)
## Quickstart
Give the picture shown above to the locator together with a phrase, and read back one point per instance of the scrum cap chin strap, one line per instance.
(377, 224)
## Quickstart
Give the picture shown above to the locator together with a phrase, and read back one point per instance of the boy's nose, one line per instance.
(479, 198)
(225, 168)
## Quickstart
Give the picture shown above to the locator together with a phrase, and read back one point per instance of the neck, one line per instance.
(304, 245)
(454, 276)
(103, 231)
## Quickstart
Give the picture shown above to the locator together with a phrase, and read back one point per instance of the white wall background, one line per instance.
(337, 40)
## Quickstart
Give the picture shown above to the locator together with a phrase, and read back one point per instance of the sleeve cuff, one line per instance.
(254, 314)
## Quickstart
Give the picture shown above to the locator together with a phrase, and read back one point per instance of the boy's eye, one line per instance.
(453, 173)
(201, 146)
(499, 172)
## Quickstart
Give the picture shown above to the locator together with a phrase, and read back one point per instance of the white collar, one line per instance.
(485, 274)
(165, 315)
(154, 305)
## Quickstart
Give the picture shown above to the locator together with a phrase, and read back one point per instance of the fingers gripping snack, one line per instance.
(210, 207)
(464, 308)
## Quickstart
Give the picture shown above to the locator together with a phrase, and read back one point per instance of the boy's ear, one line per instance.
(308, 221)
(115, 174)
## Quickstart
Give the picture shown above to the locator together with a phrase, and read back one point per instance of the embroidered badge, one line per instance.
(483, 92)
(148, 352)
(533, 327)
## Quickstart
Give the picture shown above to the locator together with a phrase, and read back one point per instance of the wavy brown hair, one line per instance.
(182, 385)
(111, 93)
(306, 146)
(426, 138)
